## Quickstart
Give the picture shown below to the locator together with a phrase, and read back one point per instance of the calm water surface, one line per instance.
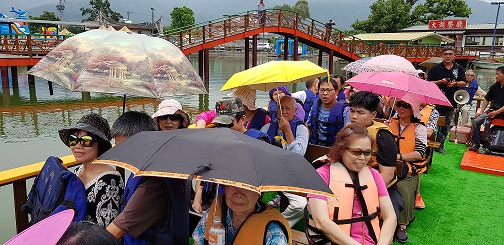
(30, 118)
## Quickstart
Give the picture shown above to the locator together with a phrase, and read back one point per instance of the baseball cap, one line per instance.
(226, 109)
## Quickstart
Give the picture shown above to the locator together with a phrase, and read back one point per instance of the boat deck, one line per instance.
(482, 163)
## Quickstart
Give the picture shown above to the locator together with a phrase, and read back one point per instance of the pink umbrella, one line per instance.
(390, 63)
(397, 84)
(356, 66)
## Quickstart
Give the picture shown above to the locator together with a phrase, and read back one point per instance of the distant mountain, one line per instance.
(344, 12)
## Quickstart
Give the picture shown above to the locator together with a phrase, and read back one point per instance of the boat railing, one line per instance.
(17, 177)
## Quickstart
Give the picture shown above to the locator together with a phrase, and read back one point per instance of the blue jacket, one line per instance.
(310, 99)
(273, 130)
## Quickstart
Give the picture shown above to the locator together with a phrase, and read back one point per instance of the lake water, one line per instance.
(30, 119)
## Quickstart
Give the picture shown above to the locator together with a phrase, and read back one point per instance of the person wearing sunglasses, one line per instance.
(354, 217)
(88, 139)
(170, 115)
(411, 138)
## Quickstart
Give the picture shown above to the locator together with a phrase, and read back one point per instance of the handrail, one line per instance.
(10, 176)
(17, 177)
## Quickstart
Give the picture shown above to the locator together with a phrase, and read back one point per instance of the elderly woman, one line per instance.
(275, 95)
(412, 141)
(170, 115)
(246, 219)
(87, 140)
(353, 218)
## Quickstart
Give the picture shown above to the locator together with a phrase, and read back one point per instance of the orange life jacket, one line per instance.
(341, 209)
(253, 230)
(406, 144)
(373, 130)
(426, 112)
(339, 184)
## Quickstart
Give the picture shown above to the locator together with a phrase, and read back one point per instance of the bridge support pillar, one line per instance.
(200, 63)
(15, 79)
(295, 48)
(31, 87)
(331, 61)
(254, 51)
(286, 48)
(247, 53)
(319, 61)
(4, 72)
(207, 69)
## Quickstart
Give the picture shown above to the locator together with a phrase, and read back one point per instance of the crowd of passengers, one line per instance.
(376, 157)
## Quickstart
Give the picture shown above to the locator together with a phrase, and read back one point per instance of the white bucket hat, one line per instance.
(167, 107)
(246, 95)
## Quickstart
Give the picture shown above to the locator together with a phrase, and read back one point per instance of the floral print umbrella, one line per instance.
(121, 63)
(356, 66)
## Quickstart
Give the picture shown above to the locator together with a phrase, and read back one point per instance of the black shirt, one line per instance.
(387, 149)
(439, 72)
(496, 95)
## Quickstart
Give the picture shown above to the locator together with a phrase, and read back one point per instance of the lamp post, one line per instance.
(492, 53)
(152, 9)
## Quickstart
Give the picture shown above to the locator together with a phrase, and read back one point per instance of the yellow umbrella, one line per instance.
(274, 74)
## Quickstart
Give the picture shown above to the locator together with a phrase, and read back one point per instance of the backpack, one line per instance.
(55, 189)
(176, 229)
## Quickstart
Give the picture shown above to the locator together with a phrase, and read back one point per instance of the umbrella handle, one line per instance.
(199, 170)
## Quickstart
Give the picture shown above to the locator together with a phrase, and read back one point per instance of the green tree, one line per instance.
(386, 16)
(302, 8)
(35, 27)
(182, 17)
(98, 6)
(286, 7)
(393, 15)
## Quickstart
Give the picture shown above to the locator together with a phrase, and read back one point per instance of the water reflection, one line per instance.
(485, 77)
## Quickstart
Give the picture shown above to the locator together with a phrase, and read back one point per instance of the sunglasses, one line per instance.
(220, 125)
(358, 152)
(86, 140)
(172, 117)
(403, 105)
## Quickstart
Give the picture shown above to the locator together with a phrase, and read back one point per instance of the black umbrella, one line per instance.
(231, 158)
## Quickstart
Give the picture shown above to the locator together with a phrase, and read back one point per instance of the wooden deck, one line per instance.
(482, 163)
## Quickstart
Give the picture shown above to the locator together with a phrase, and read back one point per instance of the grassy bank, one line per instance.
(462, 207)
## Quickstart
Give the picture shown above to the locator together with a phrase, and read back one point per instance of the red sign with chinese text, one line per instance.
(447, 24)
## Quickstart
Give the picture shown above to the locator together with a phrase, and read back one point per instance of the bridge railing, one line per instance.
(30, 45)
(220, 28)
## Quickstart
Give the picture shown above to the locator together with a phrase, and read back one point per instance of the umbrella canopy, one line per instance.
(119, 62)
(356, 66)
(431, 62)
(274, 74)
(397, 84)
(389, 63)
(234, 158)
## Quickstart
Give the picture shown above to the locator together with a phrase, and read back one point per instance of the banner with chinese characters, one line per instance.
(447, 24)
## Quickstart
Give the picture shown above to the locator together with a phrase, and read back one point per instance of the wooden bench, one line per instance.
(298, 237)
(315, 151)
(432, 144)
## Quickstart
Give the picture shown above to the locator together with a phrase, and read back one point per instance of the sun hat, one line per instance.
(47, 231)
(415, 102)
(226, 109)
(281, 88)
(247, 96)
(167, 107)
(91, 123)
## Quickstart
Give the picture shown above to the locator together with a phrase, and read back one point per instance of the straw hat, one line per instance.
(415, 102)
(246, 95)
(91, 123)
(47, 231)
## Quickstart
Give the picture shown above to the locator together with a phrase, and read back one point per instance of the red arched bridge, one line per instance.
(202, 37)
